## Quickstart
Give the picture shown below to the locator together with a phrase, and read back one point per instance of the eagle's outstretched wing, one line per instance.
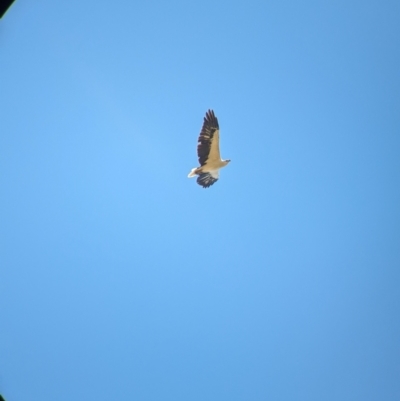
(208, 144)
(208, 179)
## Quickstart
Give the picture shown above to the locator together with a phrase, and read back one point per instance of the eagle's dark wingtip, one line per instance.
(210, 119)
(206, 180)
(4, 6)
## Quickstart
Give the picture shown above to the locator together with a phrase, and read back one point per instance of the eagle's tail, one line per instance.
(193, 172)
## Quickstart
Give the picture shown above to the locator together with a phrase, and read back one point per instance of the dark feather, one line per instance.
(210, 125)
(206, 180)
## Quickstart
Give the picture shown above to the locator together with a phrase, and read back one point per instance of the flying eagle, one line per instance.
(208, 152)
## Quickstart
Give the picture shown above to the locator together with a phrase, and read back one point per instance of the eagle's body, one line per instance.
(208, 152)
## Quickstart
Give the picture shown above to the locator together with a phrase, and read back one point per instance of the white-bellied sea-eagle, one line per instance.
(208, 152)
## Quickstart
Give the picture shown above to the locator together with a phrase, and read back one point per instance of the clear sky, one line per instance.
(122, 279)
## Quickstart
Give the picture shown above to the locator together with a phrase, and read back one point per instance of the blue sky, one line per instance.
(122, 279)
